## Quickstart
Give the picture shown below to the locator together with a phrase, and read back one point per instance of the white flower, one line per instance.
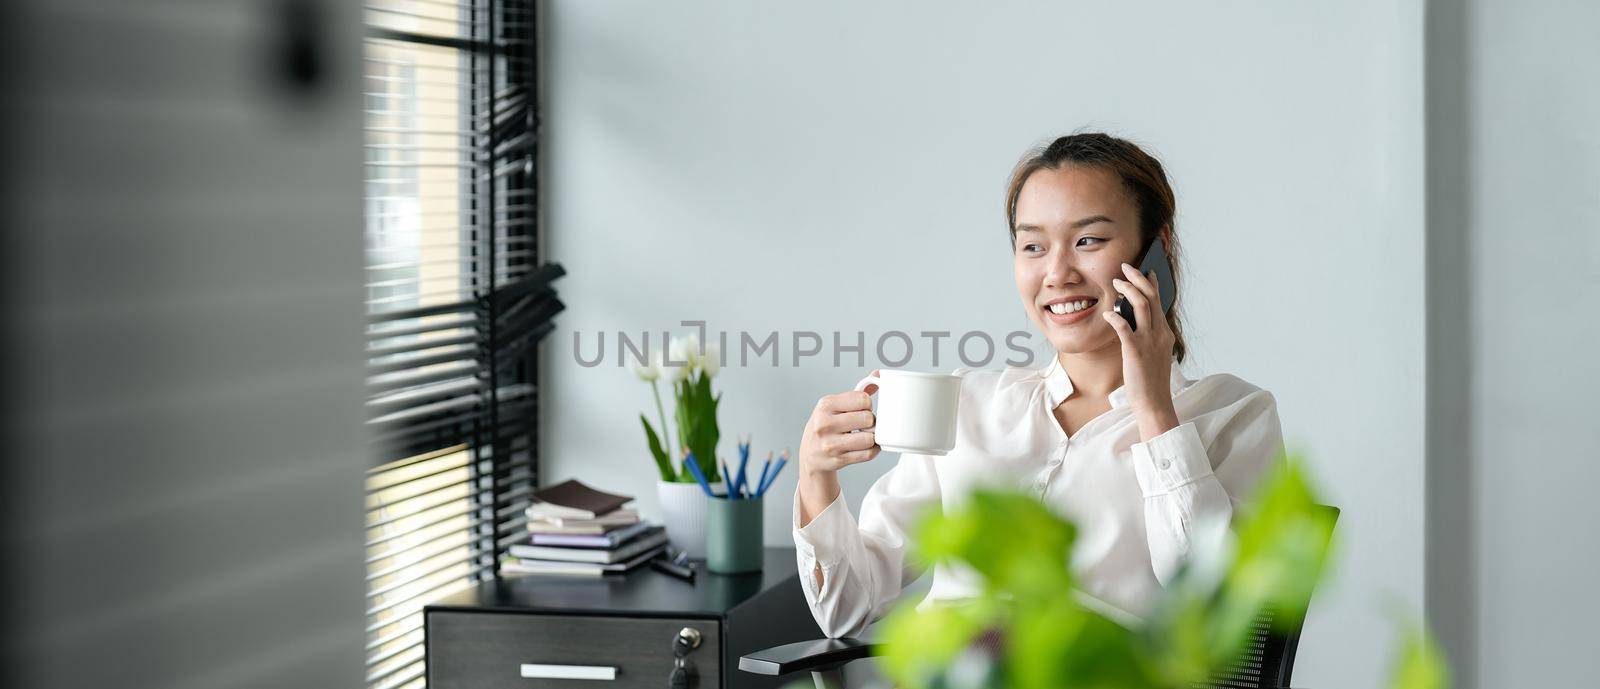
(650, 369)
(676, 374)
(672, 373)
(687, 349)
(678, 352)
(712, 361)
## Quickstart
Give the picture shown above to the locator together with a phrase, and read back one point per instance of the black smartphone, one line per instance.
(1155, 258)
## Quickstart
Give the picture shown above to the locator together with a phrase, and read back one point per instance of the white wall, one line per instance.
(1514, 206)
(832, 166)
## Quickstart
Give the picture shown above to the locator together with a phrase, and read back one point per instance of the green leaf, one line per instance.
(1421, 664)
(663, 464)
(921, 645)
(1061, 640)
(1283, 546)
(985, 536)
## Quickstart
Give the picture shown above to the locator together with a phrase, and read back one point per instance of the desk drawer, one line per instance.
(489, 650)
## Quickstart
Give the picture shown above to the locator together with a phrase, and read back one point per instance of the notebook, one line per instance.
(598, 525)
(516, 566)
(610, 539)
(656, 537)
(573, 500)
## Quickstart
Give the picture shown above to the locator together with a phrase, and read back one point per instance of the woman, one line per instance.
(1110, 433)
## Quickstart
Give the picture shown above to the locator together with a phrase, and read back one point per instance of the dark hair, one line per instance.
(1142, 177)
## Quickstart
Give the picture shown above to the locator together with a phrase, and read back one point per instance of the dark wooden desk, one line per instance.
(622, 626)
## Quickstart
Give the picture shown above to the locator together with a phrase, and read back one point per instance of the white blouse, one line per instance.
(1137, 505)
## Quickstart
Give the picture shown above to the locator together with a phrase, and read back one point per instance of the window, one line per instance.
(456, 303)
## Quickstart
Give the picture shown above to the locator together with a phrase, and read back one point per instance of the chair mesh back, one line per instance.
(1263, 663)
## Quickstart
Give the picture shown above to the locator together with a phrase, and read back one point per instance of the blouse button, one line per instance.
(1164, 464)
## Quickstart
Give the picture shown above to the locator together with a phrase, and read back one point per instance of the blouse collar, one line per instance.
(1058, 387)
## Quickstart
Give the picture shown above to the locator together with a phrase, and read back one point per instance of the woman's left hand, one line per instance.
(1146, 354)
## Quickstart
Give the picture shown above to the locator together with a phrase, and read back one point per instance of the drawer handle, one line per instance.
(532, 671)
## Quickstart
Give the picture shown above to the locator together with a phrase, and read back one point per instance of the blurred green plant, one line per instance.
(1028, 628)
(1421, 664)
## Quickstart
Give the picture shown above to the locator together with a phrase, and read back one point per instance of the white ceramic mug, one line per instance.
(916, 411)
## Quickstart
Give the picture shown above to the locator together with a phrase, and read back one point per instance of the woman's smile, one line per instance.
(1069, 310)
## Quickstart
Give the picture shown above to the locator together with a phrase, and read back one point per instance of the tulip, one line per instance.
(686, 349)
(712, 361)
(650, 370)
(696, 351)
(675, 374)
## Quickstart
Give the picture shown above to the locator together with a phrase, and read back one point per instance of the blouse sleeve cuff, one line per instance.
(820, 540)
(1170, 461)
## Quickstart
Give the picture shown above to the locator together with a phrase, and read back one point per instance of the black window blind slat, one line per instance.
(442, 505)
(428, 522)
(397, 549)
(415, 397)
(412, 484)
(414, 603)
(406, 314)
(427, 411)
(387, 639)
(426, 440)
(472, 523)
(410, 378)
(442, 495)
(426, 564)
(410, 679)
(399, 671)
(396, 649)
(405, 363)
(456, 322)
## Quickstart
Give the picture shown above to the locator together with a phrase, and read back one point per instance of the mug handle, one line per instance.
(869, 380)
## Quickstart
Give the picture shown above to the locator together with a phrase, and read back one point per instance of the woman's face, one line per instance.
(1075, 228)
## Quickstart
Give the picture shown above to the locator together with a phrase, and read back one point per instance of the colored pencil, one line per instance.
(699, 476)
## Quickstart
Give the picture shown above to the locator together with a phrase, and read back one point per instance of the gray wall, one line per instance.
(1514, 273)
(182, 368)
(840, 166)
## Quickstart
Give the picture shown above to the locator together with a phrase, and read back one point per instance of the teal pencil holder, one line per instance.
(733, 536)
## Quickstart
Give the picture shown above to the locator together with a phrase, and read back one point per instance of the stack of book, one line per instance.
(577, 530)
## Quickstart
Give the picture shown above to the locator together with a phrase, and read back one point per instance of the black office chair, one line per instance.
(1266, 662)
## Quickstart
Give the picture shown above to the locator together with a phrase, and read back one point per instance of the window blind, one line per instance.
(457, 300)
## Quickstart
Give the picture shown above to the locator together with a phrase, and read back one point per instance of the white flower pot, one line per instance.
(683, 509)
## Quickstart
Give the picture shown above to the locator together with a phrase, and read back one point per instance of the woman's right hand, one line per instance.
(839, 432)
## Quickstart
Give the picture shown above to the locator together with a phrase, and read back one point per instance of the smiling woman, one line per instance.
(1110, 434)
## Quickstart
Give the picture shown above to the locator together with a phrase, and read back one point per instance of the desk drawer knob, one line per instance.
(532, 671)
